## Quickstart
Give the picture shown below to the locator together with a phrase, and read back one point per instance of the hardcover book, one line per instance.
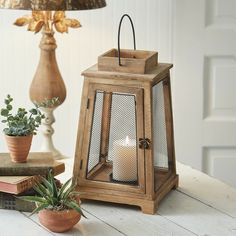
(11, 202)
(16, 184)
(38, 163)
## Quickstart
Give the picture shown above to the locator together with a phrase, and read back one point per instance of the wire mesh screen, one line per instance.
(113, 151)
(122, 139)
(159, 128)
(94, 150)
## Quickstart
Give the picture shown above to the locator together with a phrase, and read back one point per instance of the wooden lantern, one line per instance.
(125, 144)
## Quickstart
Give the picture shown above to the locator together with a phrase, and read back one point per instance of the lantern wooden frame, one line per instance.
(153, 184)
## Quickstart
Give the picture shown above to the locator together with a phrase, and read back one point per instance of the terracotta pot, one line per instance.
(19, 147)
(59, 221)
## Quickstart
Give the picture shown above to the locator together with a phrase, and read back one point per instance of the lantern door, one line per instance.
(111, 155)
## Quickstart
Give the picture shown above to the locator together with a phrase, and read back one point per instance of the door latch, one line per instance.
(144, 143)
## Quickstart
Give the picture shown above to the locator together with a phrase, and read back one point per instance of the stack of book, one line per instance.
(17, 179)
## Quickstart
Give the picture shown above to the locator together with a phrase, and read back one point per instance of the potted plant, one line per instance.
(58, 207)
(20, 129)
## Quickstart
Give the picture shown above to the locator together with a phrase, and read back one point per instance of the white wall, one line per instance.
(76, 51)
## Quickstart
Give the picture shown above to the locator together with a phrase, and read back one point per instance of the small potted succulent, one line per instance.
(20, 129)
(58, 206)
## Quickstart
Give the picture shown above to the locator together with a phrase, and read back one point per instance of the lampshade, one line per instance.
(52, 5)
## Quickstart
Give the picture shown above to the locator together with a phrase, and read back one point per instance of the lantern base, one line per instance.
(147, 206)
(122, 181)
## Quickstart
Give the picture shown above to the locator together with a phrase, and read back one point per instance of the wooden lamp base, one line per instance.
(48, 84)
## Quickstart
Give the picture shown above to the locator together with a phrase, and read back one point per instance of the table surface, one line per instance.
(201, 205)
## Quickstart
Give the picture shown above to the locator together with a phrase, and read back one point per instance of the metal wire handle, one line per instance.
(132, 25)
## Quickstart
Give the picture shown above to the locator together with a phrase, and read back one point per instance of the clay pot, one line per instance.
(19, 147)
(59, 221)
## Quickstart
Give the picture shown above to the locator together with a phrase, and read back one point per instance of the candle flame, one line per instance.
(127, 140)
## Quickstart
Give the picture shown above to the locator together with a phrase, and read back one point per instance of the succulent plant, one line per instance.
(49, 103)
(54, 197)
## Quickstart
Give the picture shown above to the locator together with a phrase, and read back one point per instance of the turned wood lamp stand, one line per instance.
(125, 144)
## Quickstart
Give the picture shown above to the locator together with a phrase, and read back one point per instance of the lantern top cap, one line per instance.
(153, 76)
(130, 61)
(52, 5)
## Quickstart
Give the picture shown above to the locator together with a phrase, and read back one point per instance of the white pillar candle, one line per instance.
(125, 160)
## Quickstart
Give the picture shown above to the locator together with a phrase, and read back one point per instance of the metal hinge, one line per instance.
(144, 143)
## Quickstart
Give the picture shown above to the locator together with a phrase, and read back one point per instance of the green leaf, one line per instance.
(75, 206)
(39, 208)
(6, 101)
(65, 194)
(33, 199)
(48, 185)
(38, 119)
(33, 111)
(4, 112)
(64, 186)
(10, 118)
(41, 190)
(74, 193)
(53, 183)
(9, 107)
(7, 131)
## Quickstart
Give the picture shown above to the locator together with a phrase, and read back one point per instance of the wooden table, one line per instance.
(201, 205)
